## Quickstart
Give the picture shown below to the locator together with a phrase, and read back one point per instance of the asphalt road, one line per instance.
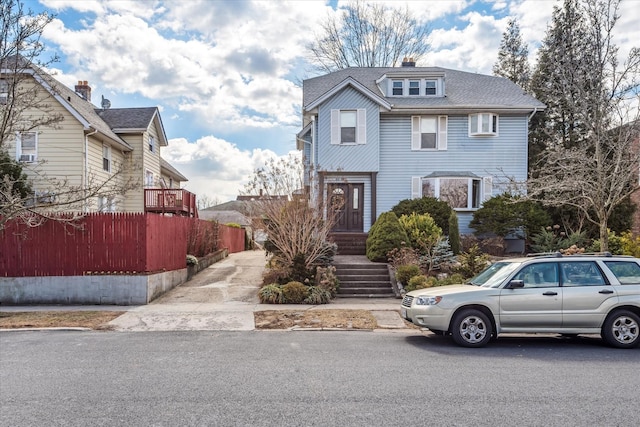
(311, 379)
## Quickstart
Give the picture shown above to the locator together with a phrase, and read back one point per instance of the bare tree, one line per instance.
(368, 35)
(27, 193)
(297, 225)
(596, 170)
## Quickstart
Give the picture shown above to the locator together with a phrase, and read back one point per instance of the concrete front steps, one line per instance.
(361, 278)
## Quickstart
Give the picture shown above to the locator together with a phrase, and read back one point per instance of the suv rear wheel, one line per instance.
(471, 328)
(620, 329)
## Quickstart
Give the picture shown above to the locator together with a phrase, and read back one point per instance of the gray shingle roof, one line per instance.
(128, 118)
(462, 89)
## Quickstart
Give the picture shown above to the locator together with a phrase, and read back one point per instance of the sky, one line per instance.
(226, 74)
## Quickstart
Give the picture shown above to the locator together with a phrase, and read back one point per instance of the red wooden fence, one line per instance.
(111, 244)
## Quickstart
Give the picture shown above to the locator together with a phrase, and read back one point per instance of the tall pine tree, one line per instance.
(513, 62)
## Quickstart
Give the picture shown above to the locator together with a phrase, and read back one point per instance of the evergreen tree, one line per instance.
(587, 136)
(512, 57)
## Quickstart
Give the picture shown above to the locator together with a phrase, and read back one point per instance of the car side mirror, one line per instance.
(514, 284)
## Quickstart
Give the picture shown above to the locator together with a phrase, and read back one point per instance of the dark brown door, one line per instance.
(346, 201)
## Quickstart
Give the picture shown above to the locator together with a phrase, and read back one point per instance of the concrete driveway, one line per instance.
(224, 296)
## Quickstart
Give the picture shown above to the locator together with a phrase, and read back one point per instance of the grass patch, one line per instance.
(285, 319)
(58, 319)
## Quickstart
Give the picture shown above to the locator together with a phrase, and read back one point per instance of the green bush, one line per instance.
(295, 292)
(454, 233)
(317, 295)
(385, 234)
(472, 262)
(439, 210)
(271, 294)
(420, 282)
(552, 239)
(422, 230)
(504, 214)
(406, 272)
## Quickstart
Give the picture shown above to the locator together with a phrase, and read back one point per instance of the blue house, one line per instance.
(375, 136)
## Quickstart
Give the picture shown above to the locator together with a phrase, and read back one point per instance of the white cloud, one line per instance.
(216, 168)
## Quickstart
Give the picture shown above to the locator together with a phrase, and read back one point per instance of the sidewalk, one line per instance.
(223, 297)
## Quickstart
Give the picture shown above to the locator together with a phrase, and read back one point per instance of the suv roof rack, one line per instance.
(558, 254)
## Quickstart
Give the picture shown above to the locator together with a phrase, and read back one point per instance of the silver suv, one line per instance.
(569, 295)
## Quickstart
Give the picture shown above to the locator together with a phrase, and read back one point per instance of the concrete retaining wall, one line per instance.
(96, 290)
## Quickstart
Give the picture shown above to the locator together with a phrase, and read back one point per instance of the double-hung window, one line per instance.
(148, 178)
(430, 87)
(483, 124)
(398, 87)
(460, 192)
(106, 158)
(422, 87)
(428, 133)
(152, 144)
(348, 127)
(27, 147)
(4, 91)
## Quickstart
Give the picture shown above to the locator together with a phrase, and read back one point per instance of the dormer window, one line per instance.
(398, 87)
(414, 87)
(483, 124)
(430, 87)
(417, 87)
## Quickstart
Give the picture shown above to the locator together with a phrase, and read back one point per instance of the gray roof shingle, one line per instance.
(462, 89)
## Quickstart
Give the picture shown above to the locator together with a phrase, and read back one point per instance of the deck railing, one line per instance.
(170, 200)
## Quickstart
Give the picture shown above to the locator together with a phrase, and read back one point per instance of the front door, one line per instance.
(347, 204)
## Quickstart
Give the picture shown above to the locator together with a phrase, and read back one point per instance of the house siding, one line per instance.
(356, 158)
(502, 155)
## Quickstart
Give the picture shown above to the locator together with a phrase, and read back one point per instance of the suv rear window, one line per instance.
(627, 272)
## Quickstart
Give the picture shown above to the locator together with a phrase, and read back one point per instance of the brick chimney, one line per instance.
(408, 62)
(84, 90)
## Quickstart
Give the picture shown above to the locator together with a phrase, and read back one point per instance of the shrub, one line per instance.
(552, 239)
(402, 256)
(275, 274)
(505, 214)
(630, 246)
(295, 292)
(317, 295)
(439, 210)
(472, 262)
(326, 279)
(420, 282)
(192, 260)
(406, 272)
(385, 234)
(454, 233)
(422, 231)
(271, 294)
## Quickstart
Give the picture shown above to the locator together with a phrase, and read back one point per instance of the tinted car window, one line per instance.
(583, 273)
(627, 272)
(543, 275)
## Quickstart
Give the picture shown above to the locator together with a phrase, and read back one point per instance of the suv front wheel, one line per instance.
(471, 328)
(620, 329)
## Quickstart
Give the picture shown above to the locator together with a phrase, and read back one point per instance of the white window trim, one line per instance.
(442, 123)
(148, 174)
(478, 131)
(29, 157)
(361, 126)
(486, 189)
(108, 157)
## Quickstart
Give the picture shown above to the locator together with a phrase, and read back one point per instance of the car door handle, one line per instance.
(550, 293)
(605, 291)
